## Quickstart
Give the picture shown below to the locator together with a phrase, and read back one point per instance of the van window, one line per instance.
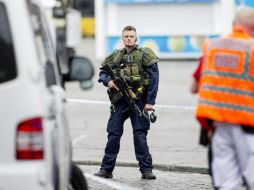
(8, 70)
(44, 47)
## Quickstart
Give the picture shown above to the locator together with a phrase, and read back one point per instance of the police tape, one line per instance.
(160, 106)
(79, 138)
(110, 183)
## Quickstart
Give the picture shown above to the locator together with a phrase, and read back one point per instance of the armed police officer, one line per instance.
(138, 68)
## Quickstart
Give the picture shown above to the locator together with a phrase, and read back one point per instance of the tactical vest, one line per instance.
(226, 91)
(132, 68)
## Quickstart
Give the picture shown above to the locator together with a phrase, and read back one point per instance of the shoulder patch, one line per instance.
(149, 57)
(109, 59)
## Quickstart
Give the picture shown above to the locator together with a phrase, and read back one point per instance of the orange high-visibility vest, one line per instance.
(226, 88)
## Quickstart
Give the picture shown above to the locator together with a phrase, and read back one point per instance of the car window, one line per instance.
(8, 70)
(44, 45)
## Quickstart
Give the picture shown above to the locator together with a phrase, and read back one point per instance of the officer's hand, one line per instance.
(194, 87)
(111, 85)
(210, 136)
(148, 107)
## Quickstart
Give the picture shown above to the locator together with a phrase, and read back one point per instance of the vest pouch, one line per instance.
(146, 82)
(135, 74)
(134, 70)
(135, 78)
(126, 72)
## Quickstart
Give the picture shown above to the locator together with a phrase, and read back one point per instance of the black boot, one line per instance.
(148, 175)
(104, 174)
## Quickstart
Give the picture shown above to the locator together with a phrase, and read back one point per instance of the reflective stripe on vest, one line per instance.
(226, 90)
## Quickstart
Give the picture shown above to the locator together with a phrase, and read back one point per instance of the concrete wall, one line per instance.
(170, 28)
(161, 19)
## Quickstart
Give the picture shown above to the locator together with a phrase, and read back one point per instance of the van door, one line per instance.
(8, 75)
(53, 83)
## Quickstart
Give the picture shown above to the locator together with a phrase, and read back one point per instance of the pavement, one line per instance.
(126, 178)
(173, 139)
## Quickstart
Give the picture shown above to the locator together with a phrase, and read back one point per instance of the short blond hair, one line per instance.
(129, 28)
(244, 17)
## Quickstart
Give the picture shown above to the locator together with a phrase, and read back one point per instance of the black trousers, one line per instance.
(115, 126)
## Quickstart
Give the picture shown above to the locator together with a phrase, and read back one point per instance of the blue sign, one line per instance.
(164, 44)
(245, 2)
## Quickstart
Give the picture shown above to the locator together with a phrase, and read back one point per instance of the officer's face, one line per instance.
(129, 38)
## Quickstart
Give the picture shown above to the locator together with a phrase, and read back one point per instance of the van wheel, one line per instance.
(78, 181)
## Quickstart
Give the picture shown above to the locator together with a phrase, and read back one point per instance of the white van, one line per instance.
(35, 148)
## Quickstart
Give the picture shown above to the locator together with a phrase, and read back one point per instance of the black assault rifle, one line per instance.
(124, 88)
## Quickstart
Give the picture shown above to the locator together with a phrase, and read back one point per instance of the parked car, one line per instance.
(35, 144)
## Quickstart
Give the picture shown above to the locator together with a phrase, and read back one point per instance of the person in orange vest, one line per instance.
(226, 102)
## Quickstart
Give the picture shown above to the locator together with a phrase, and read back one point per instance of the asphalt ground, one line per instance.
(129, 179)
